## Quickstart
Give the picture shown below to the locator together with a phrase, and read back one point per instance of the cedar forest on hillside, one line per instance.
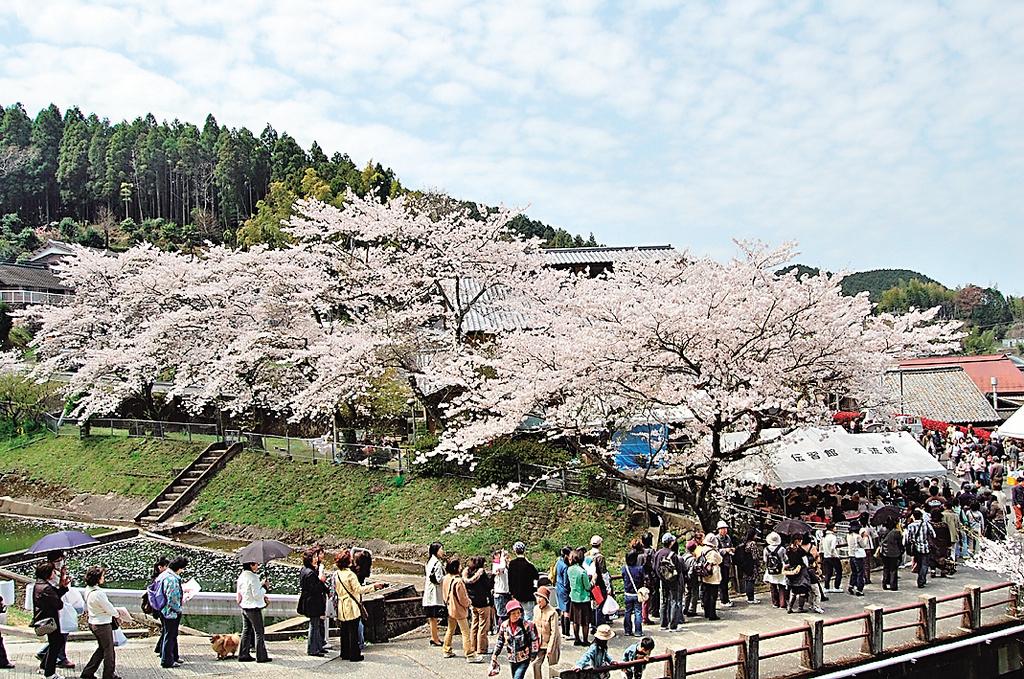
(79, 178)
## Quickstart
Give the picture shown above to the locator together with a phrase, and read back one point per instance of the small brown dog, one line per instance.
(225, 645)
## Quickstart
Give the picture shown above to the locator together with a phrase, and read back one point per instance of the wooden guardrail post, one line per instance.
(817, 644)
(1012, 608)
(926, 632)
(750, 656)
(971, 619)
(806, 657)
(874, 630)
(679, 664)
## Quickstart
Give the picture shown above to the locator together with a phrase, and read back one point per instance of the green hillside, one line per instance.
(877, 281)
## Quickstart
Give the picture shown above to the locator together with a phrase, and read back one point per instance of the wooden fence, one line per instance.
(875, 629)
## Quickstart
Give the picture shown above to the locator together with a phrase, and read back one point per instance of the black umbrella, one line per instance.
(793, 527)
(263, 551)
(884, 514)
(62, 541)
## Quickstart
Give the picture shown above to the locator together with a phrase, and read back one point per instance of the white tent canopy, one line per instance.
(1013, 427)
(812, 456)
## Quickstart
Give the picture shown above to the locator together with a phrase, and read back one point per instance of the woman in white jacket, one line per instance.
(101, 623)
(433, 603)
(251, 594)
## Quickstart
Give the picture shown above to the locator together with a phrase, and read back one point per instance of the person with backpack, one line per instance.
(746, 562)
(891, 550)
(433, 605)
(149, 606)
(669, 570)
(171, 610)
(689, 580)
(774, 557)
(918, 541)
(651, 607)
(796, 571)
(708, 568)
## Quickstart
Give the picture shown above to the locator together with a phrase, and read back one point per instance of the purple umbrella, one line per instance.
(62, 541)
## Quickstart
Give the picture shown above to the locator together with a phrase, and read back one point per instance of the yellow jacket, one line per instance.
(350, 594)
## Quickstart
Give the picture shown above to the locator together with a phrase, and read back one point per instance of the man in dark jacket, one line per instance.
(669, 568)
(46, 605)
(313, 600)
(522, 579)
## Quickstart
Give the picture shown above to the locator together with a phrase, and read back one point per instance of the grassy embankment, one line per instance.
(314, 502)
(133, 467)
(340, 502)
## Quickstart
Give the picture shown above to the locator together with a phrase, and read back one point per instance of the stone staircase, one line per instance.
(184, 488)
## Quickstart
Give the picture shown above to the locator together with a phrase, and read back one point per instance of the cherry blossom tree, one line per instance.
(437, 286)
(306, 330)
(704, 347)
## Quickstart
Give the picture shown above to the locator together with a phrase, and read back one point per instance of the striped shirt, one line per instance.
(918, 534)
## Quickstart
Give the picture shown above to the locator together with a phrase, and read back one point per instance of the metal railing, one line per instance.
(178, 431)
(33, 297)
(879, 631)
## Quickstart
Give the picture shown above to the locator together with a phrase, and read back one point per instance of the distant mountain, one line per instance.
(874, 282)
(877, 281)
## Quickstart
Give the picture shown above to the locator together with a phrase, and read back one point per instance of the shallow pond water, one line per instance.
(129, 564)
(18, 533)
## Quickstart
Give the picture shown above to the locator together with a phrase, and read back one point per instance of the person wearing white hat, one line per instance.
(726, 549)
(597, 655)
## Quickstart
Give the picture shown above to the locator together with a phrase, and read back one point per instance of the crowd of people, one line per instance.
(530, 611)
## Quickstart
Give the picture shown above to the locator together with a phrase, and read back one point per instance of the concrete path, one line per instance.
(413, 657)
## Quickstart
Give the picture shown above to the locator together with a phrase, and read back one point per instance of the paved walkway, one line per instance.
(413, 657)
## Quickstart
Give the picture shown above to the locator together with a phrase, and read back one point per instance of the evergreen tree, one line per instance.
(73, 166)
(47, 130)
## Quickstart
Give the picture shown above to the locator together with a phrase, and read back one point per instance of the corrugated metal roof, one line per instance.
(19, 276)
(488, 313)
(945, 393)
(605, 255)
(981, 369)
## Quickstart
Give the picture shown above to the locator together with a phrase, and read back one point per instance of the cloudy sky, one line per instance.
(876, 134)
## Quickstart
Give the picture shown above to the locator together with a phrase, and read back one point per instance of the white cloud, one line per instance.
(878, 134)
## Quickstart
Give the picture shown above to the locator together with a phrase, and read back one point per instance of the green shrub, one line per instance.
(500, 462)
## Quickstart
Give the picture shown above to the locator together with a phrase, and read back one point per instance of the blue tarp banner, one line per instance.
(637, 446)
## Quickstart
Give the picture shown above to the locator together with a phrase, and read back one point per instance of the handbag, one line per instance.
(44, 627)
(642, 593)
(610, 606)
(597, 595)
(120, 639)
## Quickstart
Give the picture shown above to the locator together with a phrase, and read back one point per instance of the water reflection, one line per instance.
(17, 533)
